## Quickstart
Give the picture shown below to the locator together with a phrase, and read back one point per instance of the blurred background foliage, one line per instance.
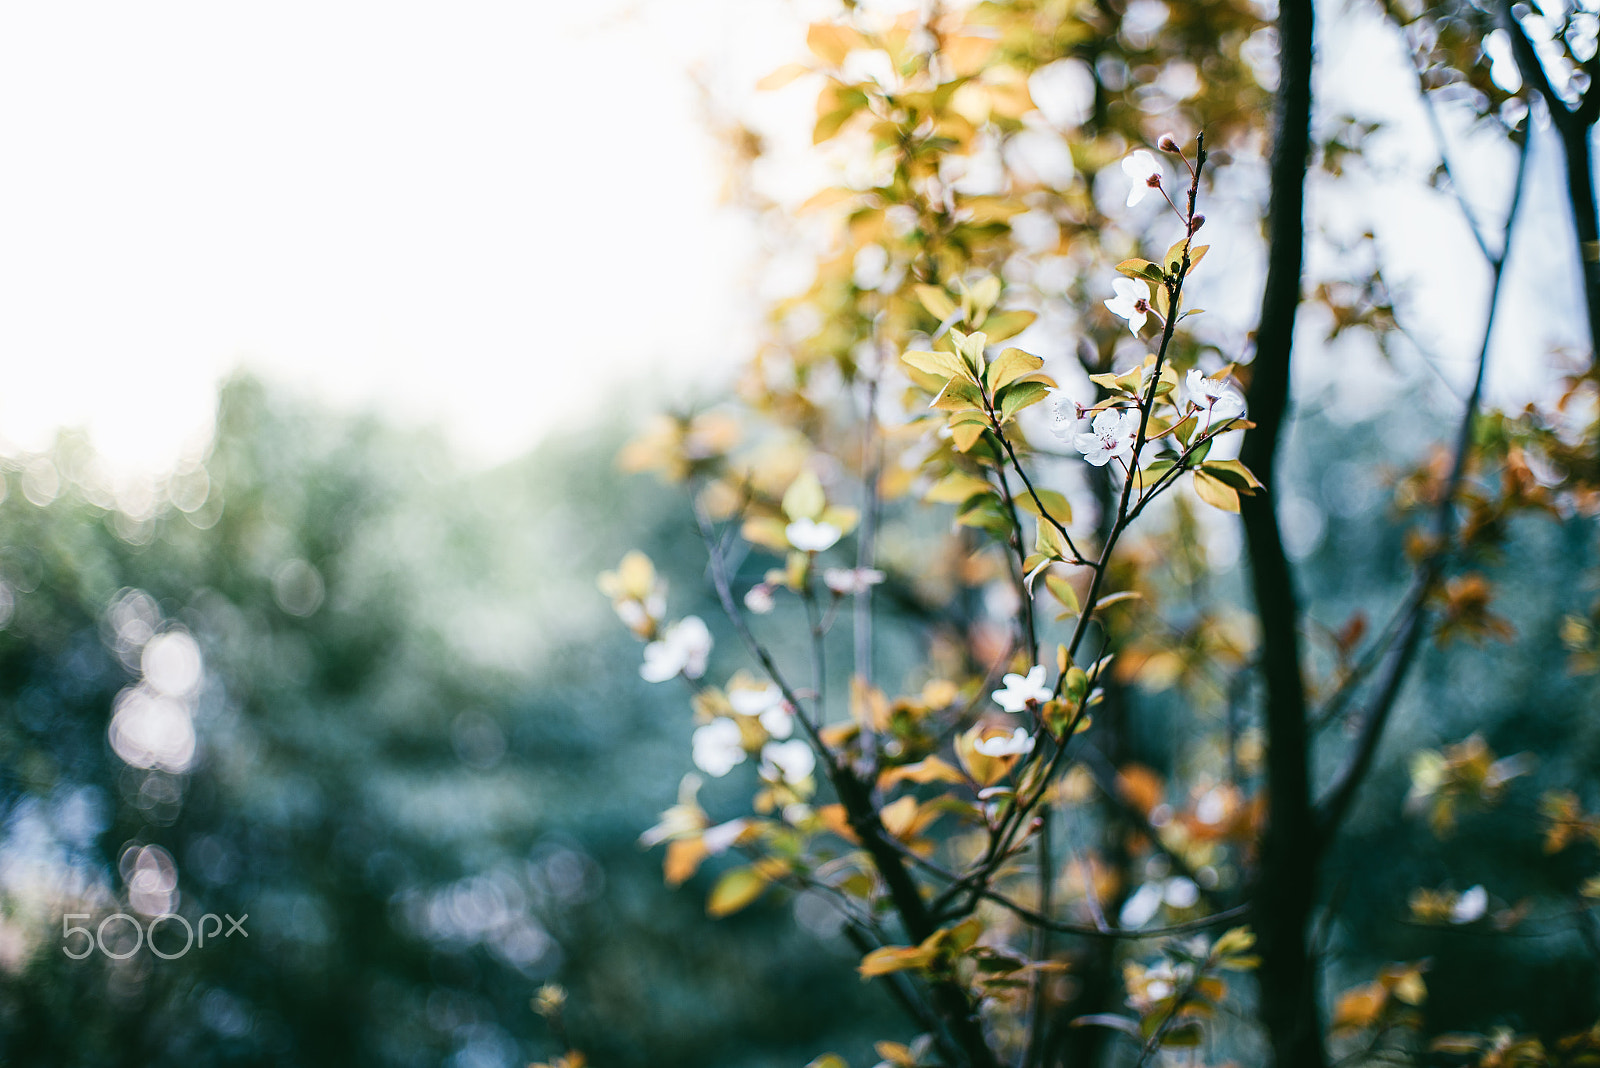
(422, 760)
(417, 766)
(328, 678)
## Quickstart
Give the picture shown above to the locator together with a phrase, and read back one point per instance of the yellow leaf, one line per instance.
(1008, 324)
(966, 434)
(1216, 492)
(804, 498)
(684, 857)
(1357, 1009)
(736, 889)
(1011, 365)
(1062, 591)
(929, 769)
(831, 42)
(894, 959)
(942, 364)
(957, 487)
(783, 76)
(936, 300)
(958, 396)
(967, 54)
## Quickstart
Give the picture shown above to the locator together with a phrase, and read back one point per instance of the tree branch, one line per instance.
(1335, 805)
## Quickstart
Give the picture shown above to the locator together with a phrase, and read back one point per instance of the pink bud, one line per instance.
(1196, 222)
(1168, 143)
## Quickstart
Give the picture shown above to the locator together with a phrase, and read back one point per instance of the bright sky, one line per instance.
(460, 211)
(467, 213)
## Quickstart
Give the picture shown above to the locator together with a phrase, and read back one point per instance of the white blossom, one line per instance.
(1112, 436)
(682, 648)
(1216, 400)
(1018, 743)
(766, 703)
(1132, 302)
(1180, 893)
(718, 747)
(791, 761)
(759, 600)
(1141, 166)
(810, 536)
(1020, 689)
(778, 722)
(752, 701)
(1142, 905)
(848, 581)
(1470, 906)
(1064, 416)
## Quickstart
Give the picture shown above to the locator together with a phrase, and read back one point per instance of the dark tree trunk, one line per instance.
(1286, 884)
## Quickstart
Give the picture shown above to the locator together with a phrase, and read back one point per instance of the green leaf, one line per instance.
(1020, 395)
(985, 513)
(1233, 473)
(804, 498)
(737, 888)
(1062, 591)
(1050, 542)
(830, 124)
(1174, 257)
(1140, 270)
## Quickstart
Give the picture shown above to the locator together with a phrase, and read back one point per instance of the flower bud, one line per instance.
(1168, 143)
(1196, 222)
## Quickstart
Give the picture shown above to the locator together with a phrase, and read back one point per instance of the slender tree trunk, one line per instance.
(1580, 196)
(1286, 884)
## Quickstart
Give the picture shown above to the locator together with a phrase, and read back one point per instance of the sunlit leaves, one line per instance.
(936, 953)
(1465, 775)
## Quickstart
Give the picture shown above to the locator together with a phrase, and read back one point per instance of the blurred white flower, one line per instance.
(778, 721)
(718, 747)
(1216, 400)
(717, 839)
(1470, 906)
(1132, 302)
(1113, 434)
(1180, 893)
(848, 581)
(810, 536)
(1141, 166)
(791, 761)
(1000, 746)
(1020, 689)
(760, 600)
(752, 701)
(682, 648)
(766, 704)
(1142, 905)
